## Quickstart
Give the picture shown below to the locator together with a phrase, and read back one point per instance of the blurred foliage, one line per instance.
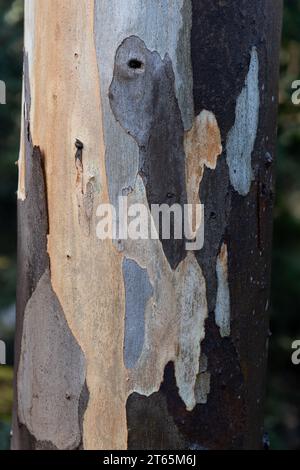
(6, 399)
(6, 378)
(11, 46)
(283, 397)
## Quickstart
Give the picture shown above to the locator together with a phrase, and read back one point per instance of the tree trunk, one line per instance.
(145, 344)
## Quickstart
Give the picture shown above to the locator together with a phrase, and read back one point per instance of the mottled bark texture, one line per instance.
(143, 344)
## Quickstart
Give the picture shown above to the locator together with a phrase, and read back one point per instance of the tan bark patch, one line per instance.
(202, 148)
(86, 274)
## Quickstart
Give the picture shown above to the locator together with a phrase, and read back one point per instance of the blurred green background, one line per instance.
(11, 47)
(283, 397)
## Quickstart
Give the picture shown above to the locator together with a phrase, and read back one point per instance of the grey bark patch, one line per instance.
(216, 197)
(242, 137)
(167, 29)
(202, 387)
(138, 290)
(33, 258)
(51, 372)
(144, 102)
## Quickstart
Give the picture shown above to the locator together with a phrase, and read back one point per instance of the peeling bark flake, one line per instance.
(222, 312)
(202, 146)
(192, 309)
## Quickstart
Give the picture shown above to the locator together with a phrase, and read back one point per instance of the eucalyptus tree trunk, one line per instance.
(145, 344)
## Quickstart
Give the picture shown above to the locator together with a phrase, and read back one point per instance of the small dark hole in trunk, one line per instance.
(135, 64)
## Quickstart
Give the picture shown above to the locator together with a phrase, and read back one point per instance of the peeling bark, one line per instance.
(167, 102)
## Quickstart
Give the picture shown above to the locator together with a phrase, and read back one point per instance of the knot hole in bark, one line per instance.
(135, 64)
